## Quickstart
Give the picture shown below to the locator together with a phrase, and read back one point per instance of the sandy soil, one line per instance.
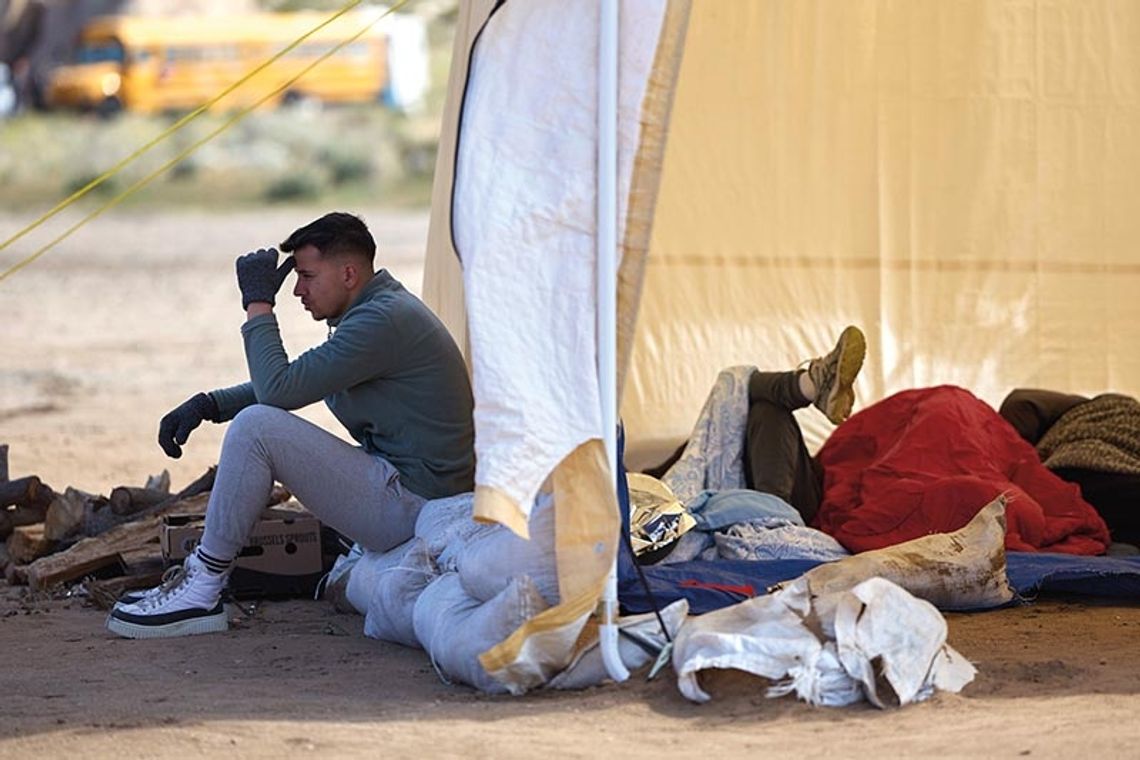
(135, 313)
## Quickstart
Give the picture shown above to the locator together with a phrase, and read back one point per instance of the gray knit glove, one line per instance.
(259, 277)
(176, 426)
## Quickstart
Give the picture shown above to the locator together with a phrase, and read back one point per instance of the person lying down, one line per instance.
(918, 462)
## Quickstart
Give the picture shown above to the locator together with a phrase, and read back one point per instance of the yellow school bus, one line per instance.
(155, 64)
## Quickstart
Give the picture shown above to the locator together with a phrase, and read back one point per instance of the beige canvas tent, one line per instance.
(962, 180)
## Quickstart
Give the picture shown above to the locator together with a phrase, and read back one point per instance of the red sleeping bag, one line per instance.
(925, 461)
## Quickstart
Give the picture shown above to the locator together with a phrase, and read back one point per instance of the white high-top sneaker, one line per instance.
(187, 603)
(128, 598)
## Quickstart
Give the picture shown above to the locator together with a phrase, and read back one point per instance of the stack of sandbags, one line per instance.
(493, 581)
(458, 588)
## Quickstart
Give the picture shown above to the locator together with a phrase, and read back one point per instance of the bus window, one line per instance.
(103, 51)
(174, 54)
(310, 50)
(359, 51)
(203, 53)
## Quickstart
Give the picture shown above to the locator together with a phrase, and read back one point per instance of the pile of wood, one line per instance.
(50, 538)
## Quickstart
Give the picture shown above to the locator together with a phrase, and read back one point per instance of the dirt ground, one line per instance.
(139, 311)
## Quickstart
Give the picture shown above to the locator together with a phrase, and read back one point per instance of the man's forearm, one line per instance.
(233, 399)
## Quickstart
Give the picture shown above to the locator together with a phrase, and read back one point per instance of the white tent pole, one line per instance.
(607, 295)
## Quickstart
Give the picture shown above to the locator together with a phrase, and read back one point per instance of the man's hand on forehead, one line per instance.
(259, 277)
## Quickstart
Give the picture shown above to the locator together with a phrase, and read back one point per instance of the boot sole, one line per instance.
(190, 627)
(852, 350)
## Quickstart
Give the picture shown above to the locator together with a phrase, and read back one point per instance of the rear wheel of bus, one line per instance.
(109, 107)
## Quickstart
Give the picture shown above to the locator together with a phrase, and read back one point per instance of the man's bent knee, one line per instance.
(256, 418)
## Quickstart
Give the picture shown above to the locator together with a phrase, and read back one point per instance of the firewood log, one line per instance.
(29, 491)
(28, 543)
(145, 560)
(16, 575)
(126, 504)
(67, 514)
(91, 554)
(11, 517)
(128, 501)
(160, 482)
(110, 547)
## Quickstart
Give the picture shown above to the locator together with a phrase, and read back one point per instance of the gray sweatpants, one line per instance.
(357, 493)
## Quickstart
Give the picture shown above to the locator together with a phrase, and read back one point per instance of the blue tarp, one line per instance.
(712, 585)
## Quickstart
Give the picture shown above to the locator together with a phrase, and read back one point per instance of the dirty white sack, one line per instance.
(879, 630)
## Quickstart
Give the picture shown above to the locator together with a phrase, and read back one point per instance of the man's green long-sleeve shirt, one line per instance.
(390, 373)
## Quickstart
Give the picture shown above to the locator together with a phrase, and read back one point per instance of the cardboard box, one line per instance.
(283, 556)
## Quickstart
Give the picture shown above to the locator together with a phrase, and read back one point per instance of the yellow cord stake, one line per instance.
(175, 127)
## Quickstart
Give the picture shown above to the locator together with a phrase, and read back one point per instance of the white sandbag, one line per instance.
(896, 663)
(364, 571)
(953, 571)
(823, 681)
(394, 592)
(488, 560)
(455, 629)
(639, 638)
(888, 646)
(442, 522)
(448, 560)
(765, 636)
(334, 586)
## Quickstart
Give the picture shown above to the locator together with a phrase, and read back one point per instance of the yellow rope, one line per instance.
(177, 125)
(172, 129)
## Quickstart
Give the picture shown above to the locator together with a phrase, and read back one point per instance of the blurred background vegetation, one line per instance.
(302, 153)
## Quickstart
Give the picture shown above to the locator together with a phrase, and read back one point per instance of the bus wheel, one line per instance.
(108, 107)
(299, 100)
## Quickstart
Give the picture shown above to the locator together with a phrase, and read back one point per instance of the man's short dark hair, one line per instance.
(334, 234)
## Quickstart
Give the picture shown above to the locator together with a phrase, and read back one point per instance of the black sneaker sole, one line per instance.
(189, 623)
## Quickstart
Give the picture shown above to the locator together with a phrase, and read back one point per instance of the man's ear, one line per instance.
(351, 275)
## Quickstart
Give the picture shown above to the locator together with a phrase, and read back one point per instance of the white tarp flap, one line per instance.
(524, 224)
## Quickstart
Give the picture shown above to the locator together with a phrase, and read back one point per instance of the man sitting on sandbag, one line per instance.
(390, 373)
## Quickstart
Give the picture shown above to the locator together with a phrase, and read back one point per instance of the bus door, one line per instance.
(140, 78)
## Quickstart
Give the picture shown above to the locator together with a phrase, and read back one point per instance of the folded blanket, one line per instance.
(925, 461)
